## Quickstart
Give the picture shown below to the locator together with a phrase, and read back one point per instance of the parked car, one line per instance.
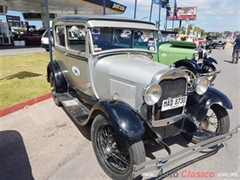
(195, 61)
(33, 37)
(215, 42)
(108, 80)
(45, 40)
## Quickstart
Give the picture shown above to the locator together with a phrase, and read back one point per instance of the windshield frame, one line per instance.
(124, 49)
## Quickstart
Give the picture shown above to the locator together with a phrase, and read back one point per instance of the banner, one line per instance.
(183, 13)
(164, 3)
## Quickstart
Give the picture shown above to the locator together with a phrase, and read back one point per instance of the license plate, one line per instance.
(173, 103)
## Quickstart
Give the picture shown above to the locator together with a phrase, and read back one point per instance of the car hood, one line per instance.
(132, 67)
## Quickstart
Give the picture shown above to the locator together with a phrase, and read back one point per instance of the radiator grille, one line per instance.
(171, 88)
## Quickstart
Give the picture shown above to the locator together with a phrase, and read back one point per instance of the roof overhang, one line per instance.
(65, 6)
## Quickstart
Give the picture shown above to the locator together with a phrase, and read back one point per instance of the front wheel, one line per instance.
(115, 155)
(210, 68)
(191, 75)
(216, 122)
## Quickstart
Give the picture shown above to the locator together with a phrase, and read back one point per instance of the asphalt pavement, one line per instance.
(41, 142)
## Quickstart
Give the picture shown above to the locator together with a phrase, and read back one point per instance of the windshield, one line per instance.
(117, 38)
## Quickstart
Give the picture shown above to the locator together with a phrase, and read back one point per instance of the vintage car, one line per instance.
(215, 42)
(194, 60)
(108, 80)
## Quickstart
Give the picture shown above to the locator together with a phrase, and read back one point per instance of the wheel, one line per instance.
(216, 122)
(191, 73)
(223, 47)
(53, 90)
(47, 50)
(115, 156)
(210, 68)
(214, 46)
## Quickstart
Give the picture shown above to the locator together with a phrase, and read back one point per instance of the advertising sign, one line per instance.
(13, 21)
(183, 13)
(164, 3)
(37, 16)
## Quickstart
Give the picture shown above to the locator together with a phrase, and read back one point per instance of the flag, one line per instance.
(163, 3)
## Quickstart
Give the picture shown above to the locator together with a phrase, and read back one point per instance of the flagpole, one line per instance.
(135, 9)
(104, 7)
(159, 16)
(150, 17)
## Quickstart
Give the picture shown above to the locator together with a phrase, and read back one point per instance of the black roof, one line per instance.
(85, 18)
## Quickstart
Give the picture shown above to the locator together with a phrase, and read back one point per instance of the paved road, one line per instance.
(41, 142)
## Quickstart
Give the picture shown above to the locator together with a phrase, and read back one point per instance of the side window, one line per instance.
(76, 38)
(60, 36)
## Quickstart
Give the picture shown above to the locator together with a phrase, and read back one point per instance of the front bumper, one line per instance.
(160, 163)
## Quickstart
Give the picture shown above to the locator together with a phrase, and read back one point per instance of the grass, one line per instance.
(22, 77)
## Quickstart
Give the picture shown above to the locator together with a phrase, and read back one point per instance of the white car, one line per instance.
(45, 41)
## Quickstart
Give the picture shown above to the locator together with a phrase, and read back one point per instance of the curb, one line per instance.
(23, 104)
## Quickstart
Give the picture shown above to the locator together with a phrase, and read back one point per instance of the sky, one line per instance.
(212, 15)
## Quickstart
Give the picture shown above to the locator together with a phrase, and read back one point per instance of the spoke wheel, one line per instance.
(53, 90)
(216, 122)
(115, 156)
(191, 75)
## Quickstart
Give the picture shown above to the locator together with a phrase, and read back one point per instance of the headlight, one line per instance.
(196, 56)
(201, 85)
(151, 94)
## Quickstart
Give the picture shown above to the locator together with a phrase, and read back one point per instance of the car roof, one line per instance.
(85, 18)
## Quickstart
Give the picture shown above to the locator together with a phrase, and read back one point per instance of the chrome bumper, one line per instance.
(160, 163)
(210, 74)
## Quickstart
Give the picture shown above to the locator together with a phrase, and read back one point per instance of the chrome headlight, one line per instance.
(151, 94)
(201, 85)
(196, 55)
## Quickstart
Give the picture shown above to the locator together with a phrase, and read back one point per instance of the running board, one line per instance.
(74, 107)
(157, 164)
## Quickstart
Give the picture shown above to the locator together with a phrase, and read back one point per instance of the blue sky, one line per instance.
(212, 15)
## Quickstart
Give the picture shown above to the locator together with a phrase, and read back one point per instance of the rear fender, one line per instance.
(197, 106)
(188, 63)
(126, 122)
(61, 83)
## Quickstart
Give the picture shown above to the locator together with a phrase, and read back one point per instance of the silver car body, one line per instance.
(122, 71)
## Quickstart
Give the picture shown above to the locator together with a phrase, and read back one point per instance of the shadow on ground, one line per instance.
(14, 162)
(21, 75)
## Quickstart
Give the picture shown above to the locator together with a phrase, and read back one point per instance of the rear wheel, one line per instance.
(216, 122)
(115, 156)
(53, 90)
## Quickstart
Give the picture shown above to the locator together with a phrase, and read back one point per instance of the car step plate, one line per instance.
(76, 109)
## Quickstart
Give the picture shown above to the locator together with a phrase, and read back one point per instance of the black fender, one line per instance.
(188, 63)
(210, 60)
(61, 83)
(198, 105)
(127, 123)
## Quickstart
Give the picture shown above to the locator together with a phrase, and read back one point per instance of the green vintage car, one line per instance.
(195, 61)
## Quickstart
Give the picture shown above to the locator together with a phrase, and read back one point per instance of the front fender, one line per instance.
(197, 106)
(188, 63)
(126, 122)
(210, 60)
